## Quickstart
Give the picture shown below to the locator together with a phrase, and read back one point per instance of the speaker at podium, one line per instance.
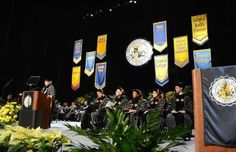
(36, 106)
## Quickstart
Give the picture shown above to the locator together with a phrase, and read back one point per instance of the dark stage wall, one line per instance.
(36, 38)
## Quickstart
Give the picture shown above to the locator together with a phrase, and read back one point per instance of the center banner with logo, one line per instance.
(89, 63)
(75, 81)
(77, 51)
(100, 75)
(219, 104)
(160, 36)
(181, 51)
(101, 46)
(161, 69)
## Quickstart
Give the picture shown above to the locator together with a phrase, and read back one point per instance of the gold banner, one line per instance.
(161, 69)
(75, 82)
(181, 51)
(199, 29)
(101, 46)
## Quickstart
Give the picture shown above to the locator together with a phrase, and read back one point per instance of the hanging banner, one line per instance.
(100, 75)
(219, 104)
(160, 35)
(202, 59)
(77, 51)
(75, 81)
(181, 51)
(161, 69)
(101, 46)
(199, 29)
(89, 63)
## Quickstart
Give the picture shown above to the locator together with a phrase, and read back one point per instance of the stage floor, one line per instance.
(77, 139)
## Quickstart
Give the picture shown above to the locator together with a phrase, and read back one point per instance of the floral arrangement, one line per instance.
(9, 113)
(80, 100)
(16, 138)
(170, 95)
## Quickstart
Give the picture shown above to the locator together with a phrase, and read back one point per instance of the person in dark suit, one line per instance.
(50, 91)
(100, 104)
(181, 107)
(138, 105)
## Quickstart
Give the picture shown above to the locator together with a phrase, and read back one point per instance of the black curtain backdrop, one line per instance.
(37, 38)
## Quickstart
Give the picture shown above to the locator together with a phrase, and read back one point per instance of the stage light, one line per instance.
(100, 11)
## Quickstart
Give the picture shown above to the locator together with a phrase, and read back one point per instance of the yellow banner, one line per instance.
(101, 46)
(181, 51)
(161, 69)
(199, 29)
(75, 82)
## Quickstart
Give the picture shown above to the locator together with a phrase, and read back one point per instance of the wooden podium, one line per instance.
(35, 110)
(200, 146)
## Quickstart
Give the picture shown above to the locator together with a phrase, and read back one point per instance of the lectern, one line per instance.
(214, 93)
(35, 110)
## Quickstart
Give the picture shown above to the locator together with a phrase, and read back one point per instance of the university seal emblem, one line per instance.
(27, 101)
(223, 91)
(139, 52)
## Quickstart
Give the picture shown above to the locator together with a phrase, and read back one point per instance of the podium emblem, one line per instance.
(223, 91)
(27, 101)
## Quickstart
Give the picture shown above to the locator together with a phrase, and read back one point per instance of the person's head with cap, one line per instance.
(136, 93)
(47, 81)
(155, 93)
(179, 87)
(100, 93)
(119, 92)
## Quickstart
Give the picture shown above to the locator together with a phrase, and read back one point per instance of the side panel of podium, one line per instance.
(199, 118)
(43, 104)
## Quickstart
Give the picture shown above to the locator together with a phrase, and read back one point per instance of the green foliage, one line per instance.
(19, 139)
(170, 95)
(149, 97)
(120, 136)
(112, 97)
(89, 96)
(188, 90)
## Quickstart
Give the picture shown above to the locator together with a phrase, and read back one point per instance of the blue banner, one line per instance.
(100, 75)
(160, 35)
(202, 59)
(89, 63)
(77, 51)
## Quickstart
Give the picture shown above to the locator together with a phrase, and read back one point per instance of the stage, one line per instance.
(77, 139)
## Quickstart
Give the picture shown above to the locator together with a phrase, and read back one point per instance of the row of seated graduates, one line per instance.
(136, 109)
